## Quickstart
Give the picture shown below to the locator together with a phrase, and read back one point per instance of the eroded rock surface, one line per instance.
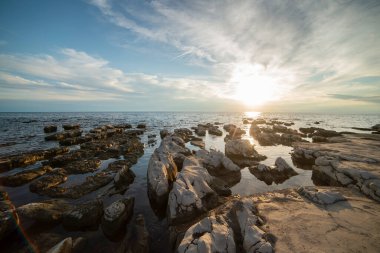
(242, 152)
(24, 177)
(351, 160)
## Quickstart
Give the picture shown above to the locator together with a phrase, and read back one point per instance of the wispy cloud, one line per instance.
(292, 41)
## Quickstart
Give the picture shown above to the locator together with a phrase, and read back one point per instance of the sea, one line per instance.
(23, 132)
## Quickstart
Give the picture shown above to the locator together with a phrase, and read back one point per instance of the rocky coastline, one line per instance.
(190, 189)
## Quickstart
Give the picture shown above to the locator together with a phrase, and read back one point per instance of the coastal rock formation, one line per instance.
(83, 216)
(116, 216)
(350, 160)
(48, 211)
(242, 153)
(68, 245)
(269, 174)
(9, 220)
(137, 238)
(24, 177)
(163, 168)
(82, 166)
(214, 130)
(71, 126)
(184, 133)
(64, 135)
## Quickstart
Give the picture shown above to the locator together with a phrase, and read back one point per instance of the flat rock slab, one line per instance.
(321, 219)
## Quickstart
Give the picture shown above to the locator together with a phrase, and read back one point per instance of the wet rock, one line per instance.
(163, 167)
(269, 174)
(214, 130)
(200, 144)
(116, 216)
(42, 184)
(326, 133)
(62, 160)
(164, 133)
(122, 180)
(7, 163)
(242, 153)
(245, 121)
(137, 238)
(229, 127)
(71, 126)
(64, 135)
(376, 127)
(24, 176)
(319, 139)
(83, 216)
(9, 220)
(68, 245)
(200, 130)
(308, 130)
(47, 211)
(317, 122)
(184, 133)
(191, 194)
(82, 166)
(234, 134)
(141, 126)
(50, 129)
(288, 139)
(75, 140)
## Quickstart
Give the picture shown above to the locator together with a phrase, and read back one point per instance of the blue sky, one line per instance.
(104, 55)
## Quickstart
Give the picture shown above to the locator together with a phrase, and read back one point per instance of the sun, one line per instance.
(253, 86)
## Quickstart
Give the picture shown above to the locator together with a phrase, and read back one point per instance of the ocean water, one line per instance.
(22, 132)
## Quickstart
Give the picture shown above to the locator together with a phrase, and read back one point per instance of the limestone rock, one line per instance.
(47, 211)
(24, 176)
(242, 152)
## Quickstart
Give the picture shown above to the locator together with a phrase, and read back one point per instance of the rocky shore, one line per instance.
(81, 185)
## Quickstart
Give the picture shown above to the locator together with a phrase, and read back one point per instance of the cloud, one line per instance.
(313, 46)
(371, 99)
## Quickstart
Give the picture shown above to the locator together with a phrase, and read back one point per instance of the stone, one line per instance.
(82, 166)
(83, 216)
(184, 133)
(24, 177)
(65, 246)
(242, 152)
(137, 238)
(277, 174)
(116, 216)
(42, 184)
(214, 130)
(71, 126)
(48, 211)
(64, 135)
(50, 128)
(321, 196)
(200, 130)
(376, 127)
(200, 144)
(229, 127)
(141, 126)
(164, 133)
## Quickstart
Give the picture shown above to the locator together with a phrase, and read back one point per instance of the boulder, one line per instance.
(184, 133)
(376, 127)
(64, 135)
(214, 130)
(71, 126)
(141, 126)
(164, 133)
(48, 211)
(229, 127)
(137, 238)
(116, 216)
(200, 130)
(42, 184)
(200, 144)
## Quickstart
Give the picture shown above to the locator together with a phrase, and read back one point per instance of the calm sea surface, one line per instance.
(22, 132)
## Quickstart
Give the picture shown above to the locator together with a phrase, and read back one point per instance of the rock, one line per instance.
(316, 122)
(278, 173)
(50, 129)
(24, 176)
(308, 130)
(82, 166)
(71, 126)
(191, 194)
(64, 135)
(242, 153)
(48, 211)
(84, 216)
(9, 220)
(68, 245)
(232, 227)
(163, 167)
(75, 140)
(124, 126)
(200, 144)
(122, 180)
(229, 127)
(214, 130)
(141, 126)
(321, 196)
(184, 133)
(245, 121)
(234, 133)
(137, 238)
(164, 133)
(319, 139)
(326, 133)
(288, 139)
(200, 130)
(376, 127)
(44, 183)
(116, 216)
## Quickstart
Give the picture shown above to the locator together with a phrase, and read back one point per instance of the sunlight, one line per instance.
(253, 85)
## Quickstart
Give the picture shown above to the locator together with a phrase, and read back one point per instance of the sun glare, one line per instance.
(253, 86)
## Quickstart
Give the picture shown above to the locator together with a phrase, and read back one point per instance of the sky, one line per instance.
(134, 55)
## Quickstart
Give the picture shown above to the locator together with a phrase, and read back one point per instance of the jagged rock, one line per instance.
(24, 176)
(9, 220)
(234, 133)
(278, 173)
(83, 216)
(163, 168)
(137, 238)
(116, 216)
(42, 184)
(71, 126)
(64, 135)
(82, 166)
(191, 194)
(50, 129)
(48, 211)
(242, 153)
(123, 178)
(184, 133)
